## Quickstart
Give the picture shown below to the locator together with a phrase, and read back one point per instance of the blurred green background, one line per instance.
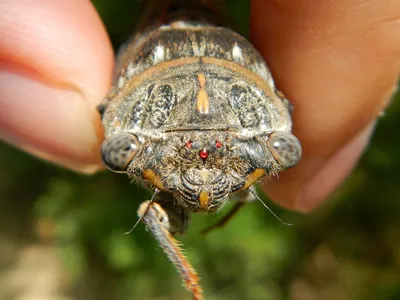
(347, 249)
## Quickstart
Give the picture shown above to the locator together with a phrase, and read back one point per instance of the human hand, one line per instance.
(56, 66)
(337, 62)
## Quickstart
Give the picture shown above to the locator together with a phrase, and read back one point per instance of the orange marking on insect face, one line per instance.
(202, 103)
(153, 178)
(203, 199)
(253, 177)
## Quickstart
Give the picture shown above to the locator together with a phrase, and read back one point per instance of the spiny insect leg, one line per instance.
(157, 220)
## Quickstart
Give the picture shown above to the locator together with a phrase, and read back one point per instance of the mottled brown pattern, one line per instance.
(200, 105)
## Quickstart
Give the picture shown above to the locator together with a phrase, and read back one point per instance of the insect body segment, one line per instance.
(195, 114)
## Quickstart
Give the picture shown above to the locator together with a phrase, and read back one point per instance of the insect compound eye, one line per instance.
(118, 150)
(285, 148)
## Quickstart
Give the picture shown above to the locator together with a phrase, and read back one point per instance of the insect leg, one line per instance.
(163, 223)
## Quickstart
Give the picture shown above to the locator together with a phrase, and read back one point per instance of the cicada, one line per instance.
(194, 114)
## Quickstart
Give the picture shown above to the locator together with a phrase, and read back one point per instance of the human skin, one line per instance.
(337, 62)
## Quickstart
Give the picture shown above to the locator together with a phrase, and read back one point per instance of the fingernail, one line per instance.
(333, 172)
(52, 123)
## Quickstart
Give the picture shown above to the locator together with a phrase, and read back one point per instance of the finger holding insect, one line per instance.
(338, 63)
(56, 63)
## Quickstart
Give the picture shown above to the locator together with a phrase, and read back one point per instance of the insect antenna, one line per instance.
(147, 208)
(266, 206)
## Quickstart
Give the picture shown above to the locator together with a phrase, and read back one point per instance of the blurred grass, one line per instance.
(348, 249)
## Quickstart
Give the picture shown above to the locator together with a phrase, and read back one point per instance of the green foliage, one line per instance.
(348, 249)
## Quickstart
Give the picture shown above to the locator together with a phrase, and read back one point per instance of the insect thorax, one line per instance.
(186, 73)
(185, 82)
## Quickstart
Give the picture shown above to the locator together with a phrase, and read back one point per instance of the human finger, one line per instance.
(56, 62)
(338, 63)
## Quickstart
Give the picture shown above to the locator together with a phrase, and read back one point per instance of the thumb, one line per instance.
(55, 66)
